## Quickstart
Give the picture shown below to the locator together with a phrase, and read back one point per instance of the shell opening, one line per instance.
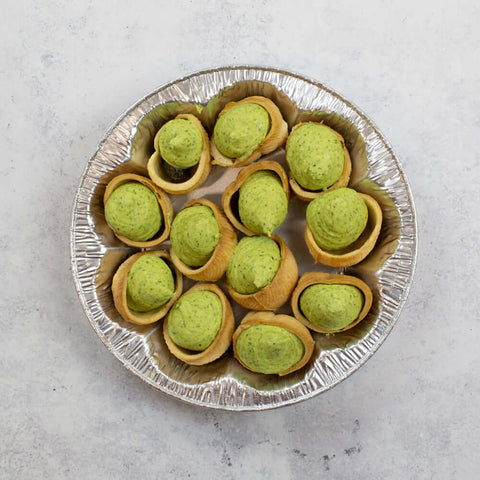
(175, 175)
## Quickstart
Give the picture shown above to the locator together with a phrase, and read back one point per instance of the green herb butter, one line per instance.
(132, 210)
(180, 143)
(269, 348)
(241, 129)
(194, 235)
(195, 320)
(254, 264)
(150, 284)
(315, 156)
(262, 202)
(337, 218)
(331, 307)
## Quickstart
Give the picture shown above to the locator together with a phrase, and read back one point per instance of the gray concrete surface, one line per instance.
(68, 409)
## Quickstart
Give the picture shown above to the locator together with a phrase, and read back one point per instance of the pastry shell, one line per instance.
(218, 261)
(278, 292)
(119, 290)
(308, 195)
(276, 136)
(358, 250)
(315, 278)
(221, 342)
(284, 321)
(163, 201)
(202, 169)
(230, 195)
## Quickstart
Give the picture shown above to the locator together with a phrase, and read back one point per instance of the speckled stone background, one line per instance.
(68, 409)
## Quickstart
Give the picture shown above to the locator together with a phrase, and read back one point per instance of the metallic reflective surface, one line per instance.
(388, 270)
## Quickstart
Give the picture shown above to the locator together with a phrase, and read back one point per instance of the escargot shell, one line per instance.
(157, 171)
(314, 278)
(119, 290)
(278, 292)
(218, 262)
(230, 195)
(163, 201)
(308, 195)
(221, 342)
(284, 321)
(275, 138)
(358, 250)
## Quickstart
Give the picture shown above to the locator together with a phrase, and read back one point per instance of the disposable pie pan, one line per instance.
(388, 270)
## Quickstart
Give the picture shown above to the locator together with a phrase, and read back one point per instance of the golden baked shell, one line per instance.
(275, 138)
(315, 278)
(119, 290)
(155, 169)
(221, 342)
(228, 197)
(218, 262)
(308, 195)
(278, 292)
(357, 251)
(284, 321)
(163, 201)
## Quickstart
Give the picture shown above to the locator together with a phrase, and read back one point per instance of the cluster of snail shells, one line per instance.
(284, 285)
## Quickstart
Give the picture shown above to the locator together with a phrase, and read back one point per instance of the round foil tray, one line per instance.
(225, 384)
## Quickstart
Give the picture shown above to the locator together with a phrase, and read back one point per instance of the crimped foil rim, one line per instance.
(227, 388)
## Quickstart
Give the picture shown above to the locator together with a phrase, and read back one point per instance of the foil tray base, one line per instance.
(388, 270)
